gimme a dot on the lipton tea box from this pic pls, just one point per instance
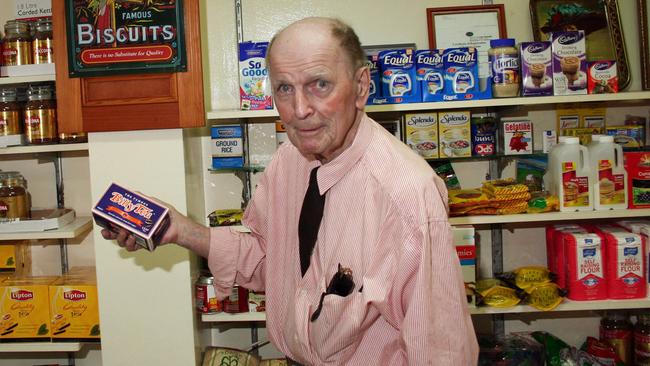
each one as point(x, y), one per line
point(73, 308)
point(121, 208)
point(7, 256)
point(25, 308)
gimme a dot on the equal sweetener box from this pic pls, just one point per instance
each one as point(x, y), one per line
point(120, 208)
point(569, 63)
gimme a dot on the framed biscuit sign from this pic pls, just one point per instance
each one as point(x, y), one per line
point(110, 37)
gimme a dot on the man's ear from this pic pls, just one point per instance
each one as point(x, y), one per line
point(362, 82)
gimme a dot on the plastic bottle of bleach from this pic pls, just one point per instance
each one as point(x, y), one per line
point(569, 175)
point(609, 180)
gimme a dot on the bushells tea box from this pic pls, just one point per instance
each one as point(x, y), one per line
point(569, 63)
point(121, 208)
point(536, 68)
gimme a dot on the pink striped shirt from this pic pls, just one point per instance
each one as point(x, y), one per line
point(385, 218)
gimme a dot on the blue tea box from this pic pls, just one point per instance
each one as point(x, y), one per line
point(120, 208)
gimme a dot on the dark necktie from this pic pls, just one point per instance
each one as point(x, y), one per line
point(310, 218)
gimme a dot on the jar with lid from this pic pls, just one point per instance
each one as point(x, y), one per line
point(17, 47)
point(642, 340)
point(10, 121)
point(14, 202)
point(616, 330)
point(504, 67)
point(72, 137)
point(40, 116)
point(42, 51)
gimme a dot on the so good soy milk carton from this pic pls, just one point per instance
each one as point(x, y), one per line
point(254, 83)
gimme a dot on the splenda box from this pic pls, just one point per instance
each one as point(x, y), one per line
point(143, 218)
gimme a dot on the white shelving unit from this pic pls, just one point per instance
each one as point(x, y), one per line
point(548, 216)
point(41, 347)
point(26, 79)
point(79, 226)
point(228, 318)
point(497, 102)
point(35, 149)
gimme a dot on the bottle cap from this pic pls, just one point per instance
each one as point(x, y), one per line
point(503, 42)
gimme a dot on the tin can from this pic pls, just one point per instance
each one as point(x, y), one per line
point(206, 298)
point(484, 135)
point(237, 302)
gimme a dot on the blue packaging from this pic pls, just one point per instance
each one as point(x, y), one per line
point(227, 147)
point(375, 78)
point(484, 135)
point(430, 71)
point(122, 208)
point(254, 83)
point(398, 76)
point(461, 73)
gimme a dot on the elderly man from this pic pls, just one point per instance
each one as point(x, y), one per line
point(375, 281)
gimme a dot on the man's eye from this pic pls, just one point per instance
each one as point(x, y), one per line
point(322, 84)
point(284, 88)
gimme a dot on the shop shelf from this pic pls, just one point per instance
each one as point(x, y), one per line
point(464, 104)
point(239, 317)
point(26, 79)
point(548, 216)
point(568, 305)
point(251, 169)
point(43, 148)
point(41, 347)
point(79, 226)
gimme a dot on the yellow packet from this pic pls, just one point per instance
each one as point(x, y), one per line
point(546, 296)
point(492, 293)
point(73, 307)
point(226, 217)
point(526, 277)
point(24, 308)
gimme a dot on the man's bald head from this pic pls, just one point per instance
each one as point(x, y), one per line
point(344, 35)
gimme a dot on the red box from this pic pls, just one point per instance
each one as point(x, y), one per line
point(602, 77)
point(637, 165)
point(585, 267)
point(625, 265)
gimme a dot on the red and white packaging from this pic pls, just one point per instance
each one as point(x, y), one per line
point(625, 265)
point(551, 230)
point(561, 253)
point(585, 267)
point(633, 225)
point(645, 234)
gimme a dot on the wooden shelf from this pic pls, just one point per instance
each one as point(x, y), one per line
point(548, 216)
point(568, 305)
point(239, 317)
point(79, 226)
point(41, 347)
point(26, 79)
point(31, 149)
point(496, 102)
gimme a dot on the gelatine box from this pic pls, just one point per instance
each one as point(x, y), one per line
point(120, 208)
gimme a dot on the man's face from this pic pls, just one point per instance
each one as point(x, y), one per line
point(316, 92)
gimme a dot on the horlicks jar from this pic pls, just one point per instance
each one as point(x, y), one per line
point(504, 66)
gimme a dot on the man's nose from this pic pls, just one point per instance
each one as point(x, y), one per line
point(302, 105)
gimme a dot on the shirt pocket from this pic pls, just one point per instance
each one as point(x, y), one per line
point(340, 326)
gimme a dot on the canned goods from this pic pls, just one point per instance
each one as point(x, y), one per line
point(237, 302)
point(206, 298)
point(484, 135)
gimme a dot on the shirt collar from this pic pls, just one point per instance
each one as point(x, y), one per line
point(331, 173)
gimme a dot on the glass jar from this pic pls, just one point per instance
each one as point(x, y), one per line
point(9, 113)
point(42, 50)
point(72, 138)
point(13, 196)
point(17, 48)
point(616, 330)
point(504, 66)
point(40, 116)
point(642, 340)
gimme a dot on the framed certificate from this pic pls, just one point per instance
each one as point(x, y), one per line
point(467, 26)
point(644, 17)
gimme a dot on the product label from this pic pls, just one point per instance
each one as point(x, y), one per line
point(611, 186)
point(590, 265)
point(40, 124)
point(74, 311)
point(455, 134)
point(484, 136)
point(24, 312)
point(254, 83)
point(517, 136)
point(10, 123)
point(576, 188)
point(43, 51)
point(422, 134)
point(536, 69)
point(505, 69)
point(13, 207)
point(569, 63)
point(16, 53)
